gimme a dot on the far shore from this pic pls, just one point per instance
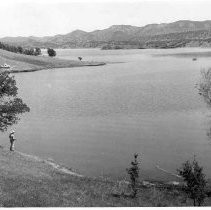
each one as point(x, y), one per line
point(202, 54)
point(27, 63)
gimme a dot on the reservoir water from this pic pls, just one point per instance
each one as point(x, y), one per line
point(93, 119)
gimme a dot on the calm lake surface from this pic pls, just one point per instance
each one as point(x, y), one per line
point(94, 118)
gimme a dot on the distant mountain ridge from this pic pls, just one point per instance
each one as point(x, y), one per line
point(177, 34)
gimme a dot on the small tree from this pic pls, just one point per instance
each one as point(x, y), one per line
point(204, 85)
point(195, 181)
point(28, 51)
point(133, 171)
point(80, 58)
point(37, 51)
point(51, 52)
point(20, 49)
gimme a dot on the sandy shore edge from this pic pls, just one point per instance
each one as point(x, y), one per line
point(51, 163)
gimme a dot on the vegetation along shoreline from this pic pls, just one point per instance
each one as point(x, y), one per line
point(45, 183)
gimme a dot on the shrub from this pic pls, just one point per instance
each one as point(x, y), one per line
point(20, 49)
point(37, 51)
point(28, 51)
point(51, 52)
point(204, 85)
point(195, 181)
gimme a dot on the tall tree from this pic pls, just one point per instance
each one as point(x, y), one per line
point(10, 105)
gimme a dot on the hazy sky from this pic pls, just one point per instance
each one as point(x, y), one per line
point(50, 17)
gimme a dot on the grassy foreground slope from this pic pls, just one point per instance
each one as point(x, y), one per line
point(30, 181)
point(27, 63)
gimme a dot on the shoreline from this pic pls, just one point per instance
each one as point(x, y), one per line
point(30, 181)
point(40, 69)
point(51, 163)
point(26, 63)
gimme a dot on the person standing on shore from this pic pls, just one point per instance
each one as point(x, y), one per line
point(12, 140)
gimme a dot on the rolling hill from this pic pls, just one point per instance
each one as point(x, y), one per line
point(165, 35)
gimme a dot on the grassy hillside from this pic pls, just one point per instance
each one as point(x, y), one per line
point(25, 63)
point(28, 181)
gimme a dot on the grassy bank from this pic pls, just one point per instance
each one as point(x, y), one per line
point(27, 63)
point(30, 181)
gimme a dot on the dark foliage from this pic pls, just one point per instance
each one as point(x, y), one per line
point(51, 52)
point(10, 105)
point(37, 51)
point(195, 180)
point(19, 49)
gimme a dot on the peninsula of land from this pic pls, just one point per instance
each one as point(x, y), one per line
point(27, 63)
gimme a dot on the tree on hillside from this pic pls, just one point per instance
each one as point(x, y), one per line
point(37, 51)
point(10, 105)
point(20, 49)
point(51, 52)
point(28, 51)
point(195, 180)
